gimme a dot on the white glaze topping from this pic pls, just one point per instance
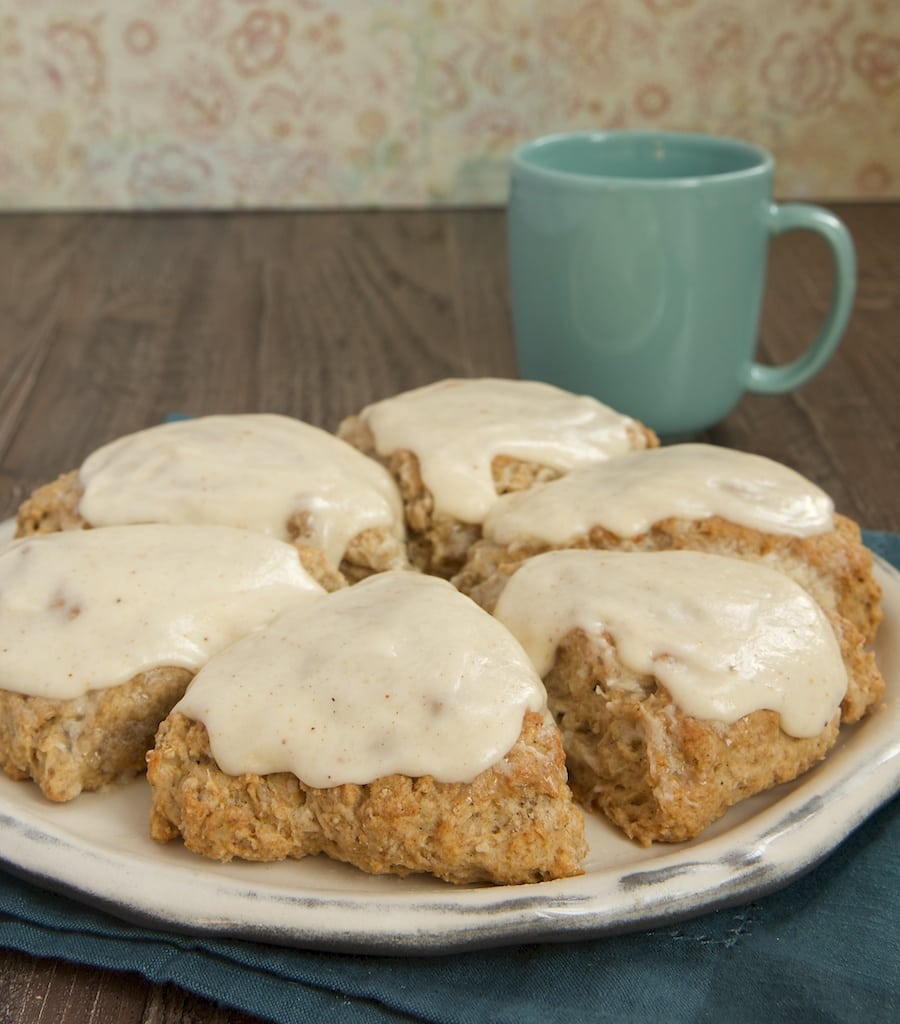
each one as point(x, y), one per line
point(397, 674)
point(629, 494)
point(724, 637)
point(251, 471)
point(88, 609)
point(457, 427)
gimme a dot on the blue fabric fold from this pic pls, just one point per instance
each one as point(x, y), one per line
point(823, 949)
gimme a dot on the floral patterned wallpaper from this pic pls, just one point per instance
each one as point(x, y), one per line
point(295, 103)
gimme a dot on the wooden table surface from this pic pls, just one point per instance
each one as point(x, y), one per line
point(109, 322)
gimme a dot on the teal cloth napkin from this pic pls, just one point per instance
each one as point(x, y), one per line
point(824, 949)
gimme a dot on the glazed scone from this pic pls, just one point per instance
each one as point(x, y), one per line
point(101, 631)
point(271, 474)
point(684, 682)
point(454, 446)
point(80, 744)
point(394, 725)
point(685, 497)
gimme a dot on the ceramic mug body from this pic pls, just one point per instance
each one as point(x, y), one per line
point(637, 268)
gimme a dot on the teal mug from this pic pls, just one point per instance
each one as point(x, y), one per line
point(637, 268)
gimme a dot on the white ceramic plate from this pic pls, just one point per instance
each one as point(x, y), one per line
point(97, 849)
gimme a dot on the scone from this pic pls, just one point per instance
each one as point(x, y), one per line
point(454, 446)
point(694, 497)
point(102, 630)
point(394, 725)
point(684, 682)
point(271, 474)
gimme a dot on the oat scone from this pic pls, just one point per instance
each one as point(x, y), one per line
point(514, 823)
point(101, 631)
point(685, 497)
point(394, 725)
point(684, 682)
point(454, 446)
point(79, 744)
point(271, 474)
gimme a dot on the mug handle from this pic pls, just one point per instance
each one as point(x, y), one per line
point(774, 380)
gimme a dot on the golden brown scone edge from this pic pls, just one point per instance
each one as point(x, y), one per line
point(71, 746)
point(515, 823)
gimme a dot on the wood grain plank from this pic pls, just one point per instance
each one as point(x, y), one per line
point(481, 294)
point(168, 1004)
point(50, 991)
point(370, 307)
point(36, 257)
point(41, 991)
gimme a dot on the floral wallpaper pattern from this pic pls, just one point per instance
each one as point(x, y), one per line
point(297, 103)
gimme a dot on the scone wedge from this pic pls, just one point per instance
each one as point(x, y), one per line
point(456, 445)
point(394, 726)
point(684, 682)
